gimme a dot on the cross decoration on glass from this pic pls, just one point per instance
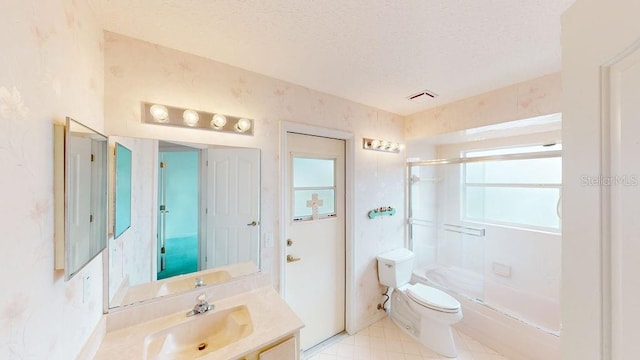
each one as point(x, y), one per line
point(313, 204)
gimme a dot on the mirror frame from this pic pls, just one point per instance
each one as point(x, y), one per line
point(122, 191)
point(98, 198)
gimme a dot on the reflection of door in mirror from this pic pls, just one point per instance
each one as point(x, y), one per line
point(229, 227)
point(79, 204)
point(85, 191)
point(233, 234)
point(178, 212)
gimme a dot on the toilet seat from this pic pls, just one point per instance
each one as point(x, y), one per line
point(432, 298)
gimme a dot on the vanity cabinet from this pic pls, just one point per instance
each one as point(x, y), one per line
point(283, 349)
point(274, 329)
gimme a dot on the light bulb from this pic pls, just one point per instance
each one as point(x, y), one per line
point(375, 144)
point(159, 113)
point(243, 125)
point(393, 146)
point(218, 121)
point(190, 117)
point(384, 144)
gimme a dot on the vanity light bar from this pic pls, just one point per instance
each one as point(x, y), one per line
point(382, 145)
point(168, 115)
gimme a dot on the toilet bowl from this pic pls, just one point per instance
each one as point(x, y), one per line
point(424, 312)
point(434, 329)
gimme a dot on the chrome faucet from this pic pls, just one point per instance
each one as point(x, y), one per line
point(201, 307)
point(199, 282)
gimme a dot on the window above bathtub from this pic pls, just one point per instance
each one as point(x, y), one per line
point(516, 186)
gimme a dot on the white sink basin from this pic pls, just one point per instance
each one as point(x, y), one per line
point(199, 335)
point(181, 284)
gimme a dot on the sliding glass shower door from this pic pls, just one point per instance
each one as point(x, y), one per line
point(449, 251)
point(487, 226)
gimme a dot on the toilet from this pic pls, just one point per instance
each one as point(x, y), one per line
point(424, 312)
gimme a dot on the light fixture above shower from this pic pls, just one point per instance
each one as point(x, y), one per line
point(174, 116)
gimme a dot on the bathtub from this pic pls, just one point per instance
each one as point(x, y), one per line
point(512, 337)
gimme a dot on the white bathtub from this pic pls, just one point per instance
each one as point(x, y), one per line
point(510, 336)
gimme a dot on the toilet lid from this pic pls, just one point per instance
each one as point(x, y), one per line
point(433, 298)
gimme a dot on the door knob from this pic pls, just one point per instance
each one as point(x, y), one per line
point(292, 259)
point(253, 223)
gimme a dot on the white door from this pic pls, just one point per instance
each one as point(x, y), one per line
point(624, 90)
point(601, 130)
point(233, 207)
point(315, 270)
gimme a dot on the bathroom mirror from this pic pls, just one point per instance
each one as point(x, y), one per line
point(85, 189)
point(122, 216)
point(195, 219)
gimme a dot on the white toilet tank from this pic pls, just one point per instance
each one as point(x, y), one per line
point(395, 267)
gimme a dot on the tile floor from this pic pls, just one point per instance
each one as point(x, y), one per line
point(385, 341)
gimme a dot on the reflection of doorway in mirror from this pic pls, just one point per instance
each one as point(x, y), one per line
point(178, 200)
point(208, 208)
point(233, 200)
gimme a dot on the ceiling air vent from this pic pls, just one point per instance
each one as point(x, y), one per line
point(422, 97)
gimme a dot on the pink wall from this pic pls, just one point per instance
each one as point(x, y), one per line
point(137, 71)
point(52, 67)
point(535, 97)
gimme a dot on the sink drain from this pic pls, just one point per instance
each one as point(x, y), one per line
point(202, 346)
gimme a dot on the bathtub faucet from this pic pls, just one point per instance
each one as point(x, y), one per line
point(199, 282)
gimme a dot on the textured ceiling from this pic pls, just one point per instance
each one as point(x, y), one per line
point(373, 52)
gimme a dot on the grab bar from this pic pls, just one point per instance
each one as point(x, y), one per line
point(423, 222)
point(480, 232)
point(467, 230)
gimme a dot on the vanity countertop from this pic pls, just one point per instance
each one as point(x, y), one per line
point(271, 316)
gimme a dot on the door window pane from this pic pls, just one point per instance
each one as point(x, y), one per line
point(304, 209)
point(309, 172)
point(313, 180)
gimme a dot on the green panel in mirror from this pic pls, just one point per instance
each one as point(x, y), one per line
point(123, 190)
point(85, 195)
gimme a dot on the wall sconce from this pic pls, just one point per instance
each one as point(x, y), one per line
point(169, 115)
point(381, 145)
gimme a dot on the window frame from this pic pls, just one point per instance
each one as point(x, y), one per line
point(293, 189)
point(508, 156)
